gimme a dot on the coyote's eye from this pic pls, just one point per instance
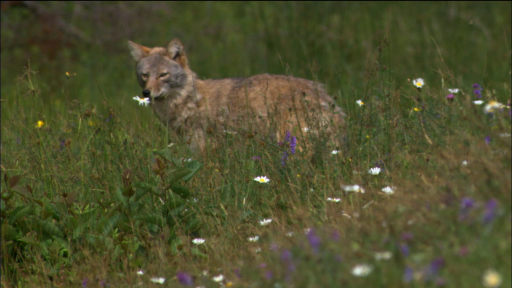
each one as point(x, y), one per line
point(163, 75)
point(145, 76)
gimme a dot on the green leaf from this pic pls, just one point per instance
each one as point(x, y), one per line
point(174, 201)
point(142, 189)
point(194, 167)
point(120, 198)
point(196, 252)
point(8, 233)
point(151, 218)
point(19, 212)
point(181, 190)
point(111, 223)
point(128, 192)
point(29, 240)
point(14, 181)
point(193, 226)
point(51, 228)
point(64, 245)
point(179, 174)
point(167, 155)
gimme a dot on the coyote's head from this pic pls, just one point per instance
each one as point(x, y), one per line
point(160, 71)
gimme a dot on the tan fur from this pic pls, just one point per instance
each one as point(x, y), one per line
point(261, 103)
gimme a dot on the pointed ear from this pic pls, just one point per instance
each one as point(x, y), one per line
point(138, 51)
point(177, 53)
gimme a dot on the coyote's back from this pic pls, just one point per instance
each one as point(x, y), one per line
point(262, 103)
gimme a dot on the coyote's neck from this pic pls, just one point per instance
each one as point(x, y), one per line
point(179, 110)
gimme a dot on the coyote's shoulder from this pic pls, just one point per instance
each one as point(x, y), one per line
point(190, 106)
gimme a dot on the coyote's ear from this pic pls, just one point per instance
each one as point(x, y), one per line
point(138, 51)
point(177, 53)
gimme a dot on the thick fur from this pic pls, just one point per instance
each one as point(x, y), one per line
point(262, 103)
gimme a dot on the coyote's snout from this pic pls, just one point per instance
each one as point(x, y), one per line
point(262, 103)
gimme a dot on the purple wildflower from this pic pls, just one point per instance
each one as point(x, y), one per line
point(289, 141)
point(268, 274)
point(433, 268)
point(436, 265)
point(490, 211)
point(84, 282)
point(450, 97)
point(408, 274)
point(184, 278)
point(237, 273)
point(487, 139)
point(466, 204)
point(314, 240)
point(287, 137)
point(335, 236)
point(477, 90)
point(407, 236)
point(284, 158)
point(62, 143)
point(404, 249)
point(286, 256)
point(256, 158)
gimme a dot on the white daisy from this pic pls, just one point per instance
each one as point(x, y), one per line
point(333, 199)
point(360, 102)
point(464, 163)
point(289, 234)
point(386, 255)
point(388, 190)
point(140, 272)
point(218, 278)
point(142, 101)
point(491, 278)
point(262, 179)
point(361, 270)
point(159, 280)
point(198, 241)
point(478, 102)
point(265, 222)
point(454, 90)
point(374, 171)
point(489, 108)
point(335, 152)
point(253, 239)
point(352, 188)
point(305, 129)
point(418, 83)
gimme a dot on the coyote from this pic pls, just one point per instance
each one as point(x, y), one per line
point(265, 104)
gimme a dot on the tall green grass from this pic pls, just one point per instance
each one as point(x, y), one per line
point(97, 192)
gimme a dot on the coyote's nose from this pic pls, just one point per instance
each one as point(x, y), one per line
point(146, 93)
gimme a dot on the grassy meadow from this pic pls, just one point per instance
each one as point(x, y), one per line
point(96, 192)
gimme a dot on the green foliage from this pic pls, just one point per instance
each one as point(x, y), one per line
point(89, 194)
